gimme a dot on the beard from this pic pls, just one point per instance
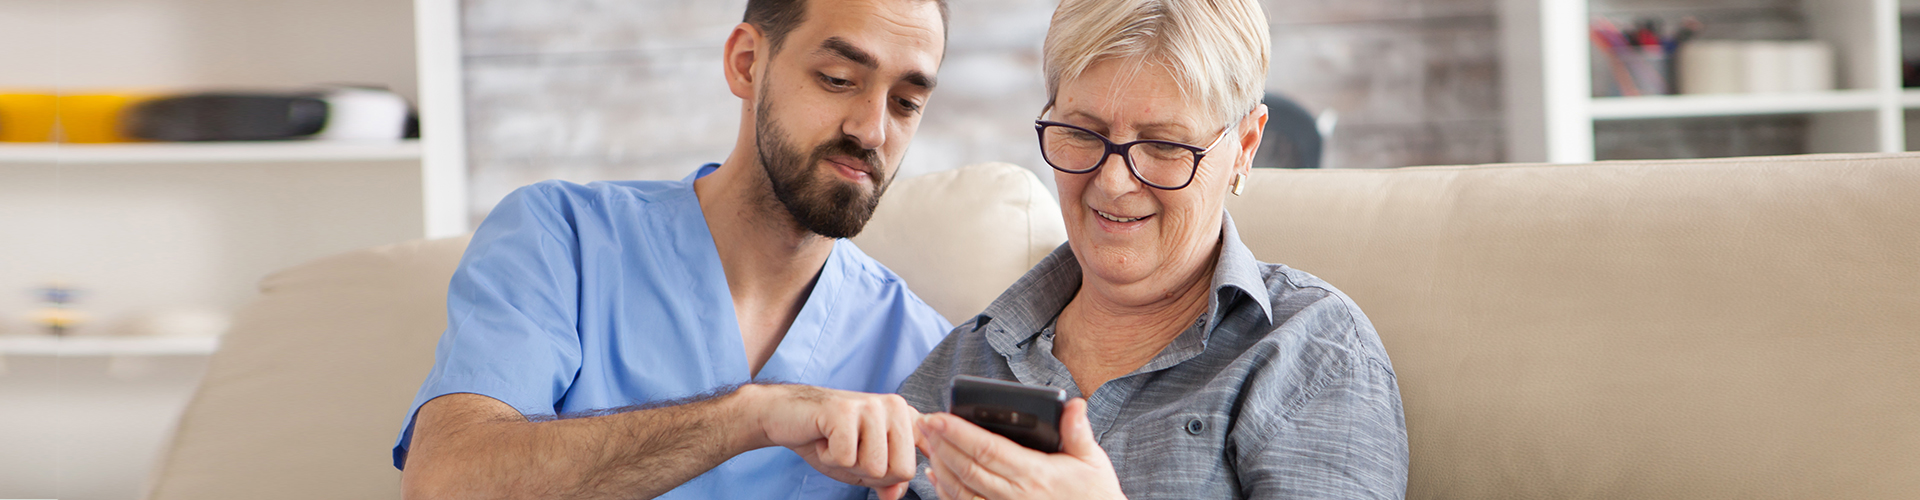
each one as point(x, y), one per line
point(816, 200)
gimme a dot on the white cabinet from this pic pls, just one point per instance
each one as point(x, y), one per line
point(140, 228)
point(147, 229)
point(1551, 107)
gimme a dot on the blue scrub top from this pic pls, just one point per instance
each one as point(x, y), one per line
point(576, 298)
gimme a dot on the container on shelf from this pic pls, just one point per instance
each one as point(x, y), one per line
point(27, 116)
point(1835, 63)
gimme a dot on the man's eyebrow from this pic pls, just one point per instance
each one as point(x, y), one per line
point(841, 48)
point(838, 47)
point(922, 80)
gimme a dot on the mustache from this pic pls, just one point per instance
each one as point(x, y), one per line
point(847, 147)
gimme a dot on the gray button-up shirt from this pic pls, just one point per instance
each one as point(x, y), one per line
point(1282, 390)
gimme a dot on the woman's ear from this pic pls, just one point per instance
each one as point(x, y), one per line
point(744, 57)
point(1252, 127)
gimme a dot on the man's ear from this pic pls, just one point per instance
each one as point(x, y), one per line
point(745, 54)
point(1252, 127)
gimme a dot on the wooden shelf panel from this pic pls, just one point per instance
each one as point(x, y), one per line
point(1630, 108)
point(42, 345)
point(209, 152)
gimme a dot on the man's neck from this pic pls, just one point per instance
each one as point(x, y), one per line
point(770, 263)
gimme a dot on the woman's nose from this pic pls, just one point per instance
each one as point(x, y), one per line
point(1113, 176)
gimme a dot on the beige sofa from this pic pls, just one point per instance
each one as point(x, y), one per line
point(1742, 328)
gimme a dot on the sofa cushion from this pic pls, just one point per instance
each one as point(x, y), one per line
point(306, 393)
point(309, 388)
point(1737, 328)
point(960, 237)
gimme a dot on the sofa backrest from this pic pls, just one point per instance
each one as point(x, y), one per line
point(308, 390)
point(960, 237)
point(1739, 328)
point(1743, 328)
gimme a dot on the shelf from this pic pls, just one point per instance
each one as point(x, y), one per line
point(1548, 76)
point(1680, 106)
point(40, 345)
point(209, 152)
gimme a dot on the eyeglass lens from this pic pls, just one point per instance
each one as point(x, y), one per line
point(1158, 163)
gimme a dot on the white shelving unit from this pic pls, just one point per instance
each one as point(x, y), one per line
point(150, 229)
point(68, 347)
point(140, 226)
point(1683, 106)
point(1551, 109)
point(161, 153)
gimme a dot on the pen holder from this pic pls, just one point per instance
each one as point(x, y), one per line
point(1634, 71)
point(1650, 71)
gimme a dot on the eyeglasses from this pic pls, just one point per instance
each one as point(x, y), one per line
point(1162, 164)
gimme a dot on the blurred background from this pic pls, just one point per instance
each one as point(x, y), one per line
point(599, 89)
point(130, 232)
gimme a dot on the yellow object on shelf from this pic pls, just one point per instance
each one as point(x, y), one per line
point(26, 117)
point(57, 321)
point(95, 118)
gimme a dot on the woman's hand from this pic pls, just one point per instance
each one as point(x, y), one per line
point(969, 462)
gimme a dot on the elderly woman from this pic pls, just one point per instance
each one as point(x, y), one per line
point(1205, 373)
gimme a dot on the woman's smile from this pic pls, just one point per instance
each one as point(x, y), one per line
point(1114, 222)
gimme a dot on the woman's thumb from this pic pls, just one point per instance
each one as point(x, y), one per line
point(1076, 433)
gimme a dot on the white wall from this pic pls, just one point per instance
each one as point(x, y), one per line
point(78, 45)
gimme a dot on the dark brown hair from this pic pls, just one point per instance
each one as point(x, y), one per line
point(776, 18)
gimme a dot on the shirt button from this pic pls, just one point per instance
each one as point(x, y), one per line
point(1195, 426)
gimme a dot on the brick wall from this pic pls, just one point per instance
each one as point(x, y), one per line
point(587, 90)
point(631, 89)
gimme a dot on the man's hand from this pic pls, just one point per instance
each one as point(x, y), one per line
point(854, 437)
point(472, 446)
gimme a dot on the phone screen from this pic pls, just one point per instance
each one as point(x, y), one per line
point(1026, 414)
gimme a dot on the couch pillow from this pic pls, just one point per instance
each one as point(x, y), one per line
point(960, 237)
point(307, 392)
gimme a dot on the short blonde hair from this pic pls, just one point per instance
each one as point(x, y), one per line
point(1217, 50)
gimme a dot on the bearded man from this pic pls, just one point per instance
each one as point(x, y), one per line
point(714, 337)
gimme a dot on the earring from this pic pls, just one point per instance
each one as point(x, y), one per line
point(1239, 183)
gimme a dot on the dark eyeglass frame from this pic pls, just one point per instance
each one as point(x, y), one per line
point(1199, 153)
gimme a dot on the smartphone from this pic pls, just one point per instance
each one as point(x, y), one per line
point(1026, 414)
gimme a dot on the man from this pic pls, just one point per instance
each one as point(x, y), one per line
point(643, 339)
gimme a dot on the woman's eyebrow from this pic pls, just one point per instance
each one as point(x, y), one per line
point(1163, 127)
point(1167, 128)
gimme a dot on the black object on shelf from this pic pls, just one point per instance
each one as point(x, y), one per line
point(228, 117)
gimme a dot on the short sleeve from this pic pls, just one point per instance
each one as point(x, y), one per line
point(511, 310)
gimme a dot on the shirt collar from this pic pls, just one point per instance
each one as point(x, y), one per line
point(1026, 308)
point(700, 172)
point(1236, 271)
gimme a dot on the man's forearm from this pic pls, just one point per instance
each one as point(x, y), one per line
point(477, 447)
